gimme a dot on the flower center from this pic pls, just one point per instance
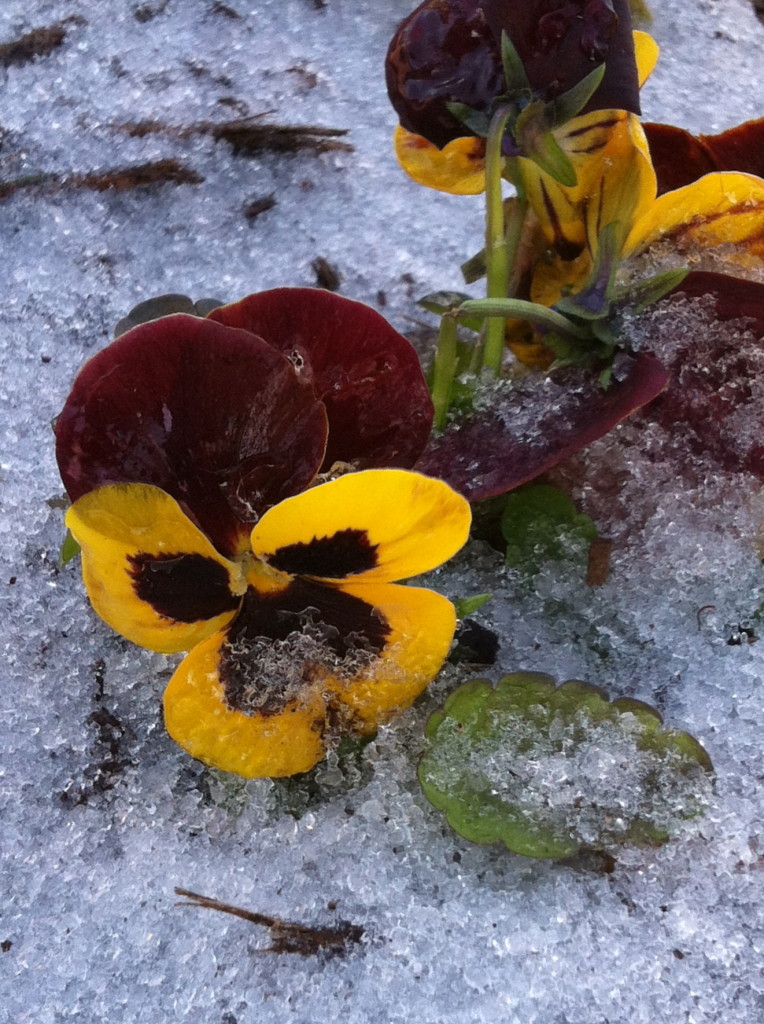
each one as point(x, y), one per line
point(262, 577)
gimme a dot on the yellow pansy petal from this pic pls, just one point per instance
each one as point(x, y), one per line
point(615, 180)
point(724, 207)
point(646, 53)
point(254, 746)
point(458, 168)
point(421, 627)
point(378, 525)
point(149, 572)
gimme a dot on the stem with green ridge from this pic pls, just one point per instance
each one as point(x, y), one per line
point(496, 249)
point(500, 309)
point(443, 370)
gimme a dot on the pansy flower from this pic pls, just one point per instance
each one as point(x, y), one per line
point(722, 208)
point(303, 636)
point(232, 413)
point(448, 53)
point(191, 448)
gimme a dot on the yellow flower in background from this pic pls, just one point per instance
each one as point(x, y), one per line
point(720, 208)
point(303, 638)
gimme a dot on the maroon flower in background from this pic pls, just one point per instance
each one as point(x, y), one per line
point(449, 51)
point(232, 413)
point(680, 158)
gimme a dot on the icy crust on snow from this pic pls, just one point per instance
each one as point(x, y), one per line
point(102, 815)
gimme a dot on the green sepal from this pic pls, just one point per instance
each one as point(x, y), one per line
point(477, 121)
point(564, 108)
point(638, 297)
point(533, 135)
point(512, 764)
point(69, 549)
point(514, 69)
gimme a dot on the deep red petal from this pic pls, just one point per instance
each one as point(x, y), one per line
point(714, 394)
point(367, 375)
point(449, 51)
point(680, 158)
point(212, 415)
point(545, 419)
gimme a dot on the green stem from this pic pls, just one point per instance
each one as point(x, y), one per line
point(443, 370)
point(496, 250)
point(519, 309)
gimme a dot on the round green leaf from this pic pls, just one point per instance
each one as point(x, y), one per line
point(551, 770)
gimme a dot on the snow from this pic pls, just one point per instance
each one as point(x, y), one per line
point(102, 815)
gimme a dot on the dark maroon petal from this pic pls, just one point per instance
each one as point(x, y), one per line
point(212, 415)
point(733, 297)
point(680, 158)
point(715, 396)
point(448, 51)
point(542, 420)
point(181, 587)
point(257, 668)
point(367, 375)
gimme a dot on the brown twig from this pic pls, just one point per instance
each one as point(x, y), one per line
point(246, 136)
point(286, 936)
point(39, 42)
point(159, 172)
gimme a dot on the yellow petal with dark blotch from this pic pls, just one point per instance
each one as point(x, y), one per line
point(149, 572)
point(646, 53)
point(378, 525)
point(458, 168)
point(253, 746)
point(615, 181)
point(724, 207)
point(421, 627)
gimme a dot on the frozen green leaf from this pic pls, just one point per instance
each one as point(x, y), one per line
point(539, 524)
point(469, 605)
point(552, 770)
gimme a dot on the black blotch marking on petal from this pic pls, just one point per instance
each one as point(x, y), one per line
point(185, 588)
point(280, 643)
point(344, 553)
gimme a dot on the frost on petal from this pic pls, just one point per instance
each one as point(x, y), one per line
point(367, 375)
point(522, 428)
point(710, 334)
point(212, 415)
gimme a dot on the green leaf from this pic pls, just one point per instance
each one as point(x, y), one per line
point(474, 268)
point(164, 305)
point(552, 770)
point(469, 605)
point(69, 549)
point(540, 523)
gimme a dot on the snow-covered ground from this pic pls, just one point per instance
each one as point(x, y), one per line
point(102, 815)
